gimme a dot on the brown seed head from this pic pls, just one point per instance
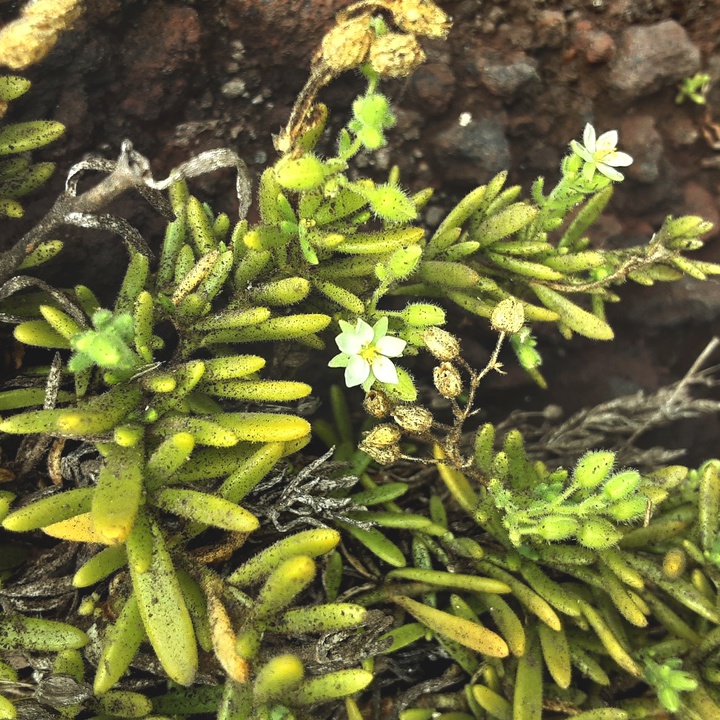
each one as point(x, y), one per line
point(447, 380)
point(395, 54)
point(346, 45)
point(420, 17)
point(508, 316)
point(413, 418)
point(440, 343)
point(377, 404)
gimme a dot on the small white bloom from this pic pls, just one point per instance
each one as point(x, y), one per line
point(365, 353)
point(601, 154)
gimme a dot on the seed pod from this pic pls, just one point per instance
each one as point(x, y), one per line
point(395, 54)
point(413, 418)
point(300, 174)
point(346, 45)
point(376, 403)
point(383, 435)
point(557, 527)
point(447, 380)
point(441, 344)
point(508, 316)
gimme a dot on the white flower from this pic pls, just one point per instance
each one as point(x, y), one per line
point(365, 353)
point(601, 154)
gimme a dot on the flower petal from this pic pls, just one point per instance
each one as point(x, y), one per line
point(610, 172)
point(390, 346)
point(607, 142)
point(618, 159)
point(349, 343)
point(380, 329)
point(588, 170)
point(357, 371)
point(583, 152)
point(340, 360)
point(384, 370)
point(363, 331)
point(589, 137)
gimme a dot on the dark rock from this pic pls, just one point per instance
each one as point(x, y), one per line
point(473, 152)
point(433, 85)
point(504, 75)
point(653, 56)
point(159, 58)
point(682, 130)
point(641, 139)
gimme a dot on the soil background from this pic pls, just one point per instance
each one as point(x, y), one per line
point(515, 81)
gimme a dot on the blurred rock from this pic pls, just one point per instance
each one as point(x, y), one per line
point(473, 152)
point(640, 138)
point(433, 86)
point(596, 46)
point(653, 56)
point(159, 57)
point(504, 75)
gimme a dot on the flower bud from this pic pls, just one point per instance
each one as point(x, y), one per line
point(346, 45)
point(395, 54)
point(598, 534)
point(447, 380)
point(508, 316)
point(628, 509)
point(413, 418)
point(423, 314)
point(593, 467)
point(303, 173)
point(621, 485)
point(557, 527)
point(377, 404)
point(441, 344)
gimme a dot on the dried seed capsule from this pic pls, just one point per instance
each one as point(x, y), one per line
point(413, 418)
point(508, 316)
point(383, 435)
point(381, 455)
point(441, 344)
point(447, 380)
point(346, 45)
point(395, 54)
point(377, 404)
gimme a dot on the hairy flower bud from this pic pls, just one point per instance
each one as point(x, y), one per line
point(447, 380)
point(441, 344)
point(377, 404)
point(413, 418)
point(395, 54)
point(598, 534)
point(423, 314)
point(557, 527)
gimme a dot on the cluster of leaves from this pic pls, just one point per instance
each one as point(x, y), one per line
point(522, 576)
